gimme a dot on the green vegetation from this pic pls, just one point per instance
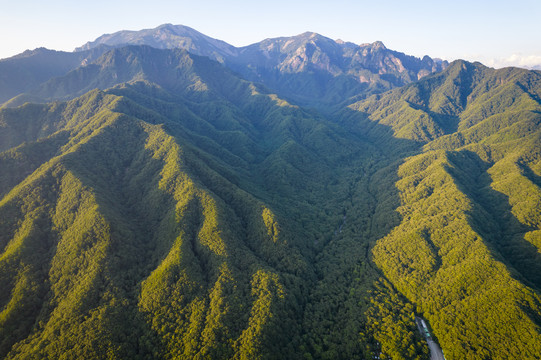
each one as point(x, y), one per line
point(466, 251)
point(186, 213)
point(25, 72)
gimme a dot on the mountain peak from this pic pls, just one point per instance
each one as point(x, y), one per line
point(166, 36)
point(309, 35)
point(378, 45)
point(310, 59)
point(169, 26)
point(313, 36)
point(308, 53)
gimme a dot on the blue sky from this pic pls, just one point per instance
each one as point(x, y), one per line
point(495, 32)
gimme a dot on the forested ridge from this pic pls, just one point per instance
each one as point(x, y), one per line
point(180, 211)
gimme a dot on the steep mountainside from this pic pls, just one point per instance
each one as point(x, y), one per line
point(167, 36)
point(467, 251)
point(311, 68)
point(308, 68)
point(210, 192)
point(166, 207)
point(171, 68)
point(24, 72)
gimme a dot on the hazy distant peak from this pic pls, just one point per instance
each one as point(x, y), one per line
point(310, 60)
point(297, 39)
point(343, 43)
point(308, 34)
point(312, 36)
point(30, 53)
point(378, 45)
point(166, 36)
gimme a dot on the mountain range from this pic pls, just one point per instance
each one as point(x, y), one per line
point(299, 67)
point(166, 195)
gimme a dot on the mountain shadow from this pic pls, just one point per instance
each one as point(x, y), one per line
point(493, 218)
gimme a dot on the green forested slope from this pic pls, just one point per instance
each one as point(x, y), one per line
point(467, 251)
point(129, 230)
point(186, 213)
point(196, 218)
point(26, 71)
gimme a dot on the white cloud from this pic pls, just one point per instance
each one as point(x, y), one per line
point(518, 60)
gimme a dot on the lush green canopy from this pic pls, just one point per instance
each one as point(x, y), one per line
point(186, 213)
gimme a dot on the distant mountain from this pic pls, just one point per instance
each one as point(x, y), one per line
point(26, 71)
point(311, 51)
point(312, 68)
point(167, 36)
point(454, 101)
point(308, 68)
point(129, 64)
point(121, 65)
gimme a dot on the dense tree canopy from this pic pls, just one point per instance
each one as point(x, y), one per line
point(187, 213)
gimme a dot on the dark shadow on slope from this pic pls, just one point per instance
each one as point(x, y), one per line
point(359, 166)
point(493, 219)
point(18, 163)
point(26, 71)
point(311, 182)
point(311, 88)
point(380, 136)
point(529, 174)
point(122, 172)
point(131, 253)
point(363, 194)
point(146, 225)
point(29, 287)
point(448, 123)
